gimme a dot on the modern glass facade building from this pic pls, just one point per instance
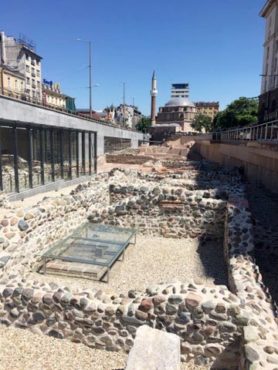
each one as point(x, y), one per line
point(34, 155)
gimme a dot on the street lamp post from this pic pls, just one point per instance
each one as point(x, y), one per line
point(90, 75)
point(90, 78)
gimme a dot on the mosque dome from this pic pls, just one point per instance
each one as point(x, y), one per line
point(179, 102)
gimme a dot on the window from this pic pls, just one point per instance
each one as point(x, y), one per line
point(9, 82)
point(15, 85)
point(38, 83)
point(273, 106)
point(274, 65)
point(27, 68)
point(28, 81)
point(38, 73)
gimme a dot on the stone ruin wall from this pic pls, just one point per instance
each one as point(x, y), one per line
point(167, 212)
point(215, 325)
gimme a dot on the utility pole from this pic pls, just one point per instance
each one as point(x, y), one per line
point(124, 101)
point(90, 78)
point(90, 74)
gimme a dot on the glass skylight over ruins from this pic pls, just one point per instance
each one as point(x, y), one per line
point(90, 245)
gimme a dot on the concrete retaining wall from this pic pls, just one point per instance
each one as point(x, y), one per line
point(27, 113)
point(259, 160)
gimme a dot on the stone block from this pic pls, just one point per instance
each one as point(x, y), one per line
point(154, 349)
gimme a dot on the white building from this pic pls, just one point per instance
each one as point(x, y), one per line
point(270, 13)
point(180, 90)
point(127, 115)
point(268, 101)
point(20, 55)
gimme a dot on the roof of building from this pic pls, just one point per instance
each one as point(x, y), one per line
point(53, 92)
point(266, 7)
point(12, 71)
point(204, 104)
point(179, 102)
point(30, 51)
point(180, 85)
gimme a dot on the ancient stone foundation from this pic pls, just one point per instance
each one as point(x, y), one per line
point(228, 327)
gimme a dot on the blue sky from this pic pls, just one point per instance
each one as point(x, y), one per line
point(215, 45)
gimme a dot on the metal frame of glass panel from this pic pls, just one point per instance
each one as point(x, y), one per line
point(44, 129)
point(100, 242)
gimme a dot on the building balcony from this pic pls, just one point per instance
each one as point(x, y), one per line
point(33, 74)
point(33, 63)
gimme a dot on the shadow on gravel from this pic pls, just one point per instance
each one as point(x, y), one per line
point(211, 253)
point(264, 208)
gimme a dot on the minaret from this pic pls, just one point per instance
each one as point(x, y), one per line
point(153, 95)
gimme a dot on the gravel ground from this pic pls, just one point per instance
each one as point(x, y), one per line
point(154, 260)
point(22, 350)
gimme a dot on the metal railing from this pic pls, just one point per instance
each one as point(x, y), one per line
point(267, 131)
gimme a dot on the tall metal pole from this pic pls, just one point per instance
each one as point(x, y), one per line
point(90, 78)
point(124, 100)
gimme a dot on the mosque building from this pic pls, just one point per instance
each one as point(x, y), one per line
point(179, 111)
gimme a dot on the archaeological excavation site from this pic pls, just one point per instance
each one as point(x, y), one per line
point(161, 241)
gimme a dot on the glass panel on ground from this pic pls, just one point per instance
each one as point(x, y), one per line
point(90, 244)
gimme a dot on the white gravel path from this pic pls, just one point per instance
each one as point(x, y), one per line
point(154, 260)
point(22, 350)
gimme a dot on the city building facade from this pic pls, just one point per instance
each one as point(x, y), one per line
point(12, 82)
point(180, 90)
point(20, 56)
point(268, 100)
point(127, 115)
point(207, 108)
point(179, 110)
point(52, 95)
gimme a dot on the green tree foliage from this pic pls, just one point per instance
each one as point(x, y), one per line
point(240, 112)
point(144, 124)
point(109, 108)
point(202, 123)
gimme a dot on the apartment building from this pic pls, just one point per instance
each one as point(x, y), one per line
point(20, 56)
point(12, 83)
point(207, 108)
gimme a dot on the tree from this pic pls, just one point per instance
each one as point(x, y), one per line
point(144, 124)
point(202, 122)
point(240, 112)
point(109, 108)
